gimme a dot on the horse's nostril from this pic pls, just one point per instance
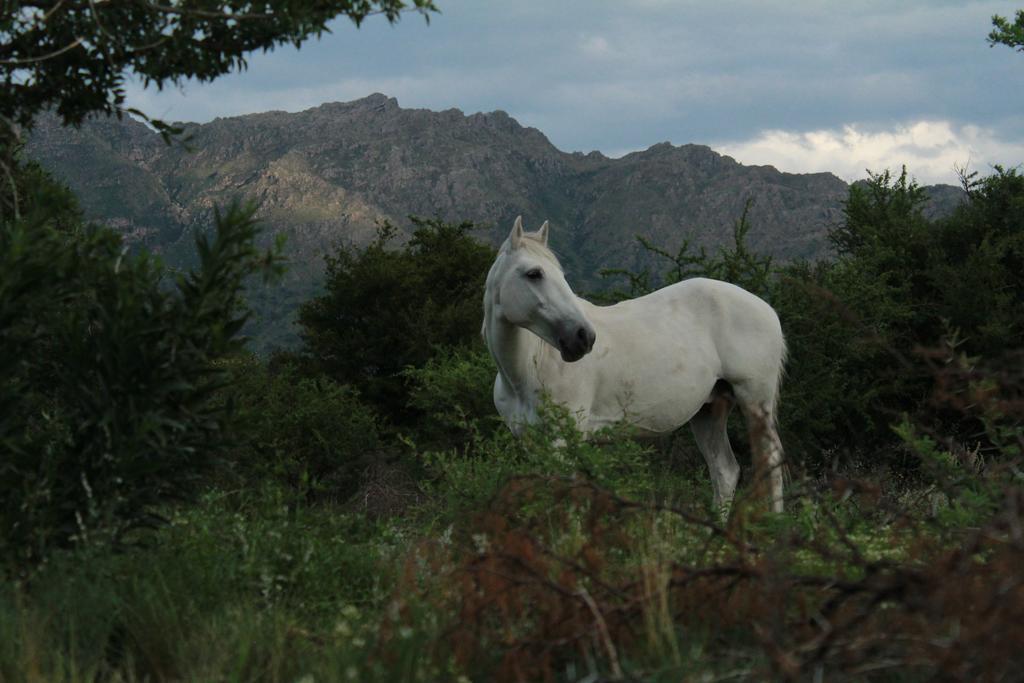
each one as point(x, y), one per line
point(587, 337)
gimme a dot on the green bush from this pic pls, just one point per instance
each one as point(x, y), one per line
point(311, 435)
point(902, 284)
point(107, 376)
point(454, 391)
point(387, 308)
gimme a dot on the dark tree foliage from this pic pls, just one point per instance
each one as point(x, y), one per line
point(977, 265)
point(912, 281)
point(454, 392)
point(901, 284)
point(107, 375)
point(387, 308)
point(875, 298)
point(1006, 33)
point(880, 210)
point(74, 55)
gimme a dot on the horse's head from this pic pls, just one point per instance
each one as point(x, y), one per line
point(526, 287)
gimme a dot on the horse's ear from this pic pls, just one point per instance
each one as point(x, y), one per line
point(542, 234)
point(515, 239)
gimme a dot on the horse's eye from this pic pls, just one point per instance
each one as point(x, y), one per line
point(535, 274)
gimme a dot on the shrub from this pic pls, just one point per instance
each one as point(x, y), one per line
point(565, 573)
point(467, 477)
point(107, 376)
point(904, 283)
point(311, 435)
point(387, 308)
point(454, 391)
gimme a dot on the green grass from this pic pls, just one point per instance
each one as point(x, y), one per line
point(235, 588)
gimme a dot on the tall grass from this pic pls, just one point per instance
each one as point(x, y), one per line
point(236, 588)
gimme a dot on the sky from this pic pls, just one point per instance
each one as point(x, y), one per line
point(805, 85)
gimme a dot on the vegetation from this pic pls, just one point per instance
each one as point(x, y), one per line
point(387, 309)
point(529, 561)
point(339, 515)
point(109, 396)
point(857, 325)
point(1010, 34)
point(309, 435)
point(74, 55)
point(902, 284)
point(108, 375)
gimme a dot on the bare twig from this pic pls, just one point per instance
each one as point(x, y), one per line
point(42, 58)
point(602, 627)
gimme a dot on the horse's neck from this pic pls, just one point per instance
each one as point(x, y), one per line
point(517, 352)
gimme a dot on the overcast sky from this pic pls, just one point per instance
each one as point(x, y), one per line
point(804, 86)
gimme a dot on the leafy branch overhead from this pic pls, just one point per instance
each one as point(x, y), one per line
point(75, 55)
point(1006, 33)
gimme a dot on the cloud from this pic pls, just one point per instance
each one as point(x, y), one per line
point(931, 150)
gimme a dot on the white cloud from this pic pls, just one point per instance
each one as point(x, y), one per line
point(931, 150)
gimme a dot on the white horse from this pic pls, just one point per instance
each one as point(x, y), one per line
point(680, 354)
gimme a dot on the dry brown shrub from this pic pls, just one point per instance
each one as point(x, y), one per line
point(522, 604)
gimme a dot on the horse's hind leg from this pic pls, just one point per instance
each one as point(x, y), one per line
point(709, 430)
point(757, 400)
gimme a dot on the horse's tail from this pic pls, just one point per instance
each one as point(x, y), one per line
point(780, 374)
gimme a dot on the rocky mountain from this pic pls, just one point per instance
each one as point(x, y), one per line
point(328, 175)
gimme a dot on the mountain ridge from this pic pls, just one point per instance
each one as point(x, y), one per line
point(331, 173)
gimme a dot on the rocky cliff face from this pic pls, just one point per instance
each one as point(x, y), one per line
point(329, 174)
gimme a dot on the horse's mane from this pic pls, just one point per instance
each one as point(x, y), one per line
point(536, 247)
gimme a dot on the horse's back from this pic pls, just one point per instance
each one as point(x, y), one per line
point(737, 330)
point(707, 303)
point(743, 327)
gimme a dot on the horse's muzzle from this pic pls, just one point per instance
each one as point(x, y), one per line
point(577, 343)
